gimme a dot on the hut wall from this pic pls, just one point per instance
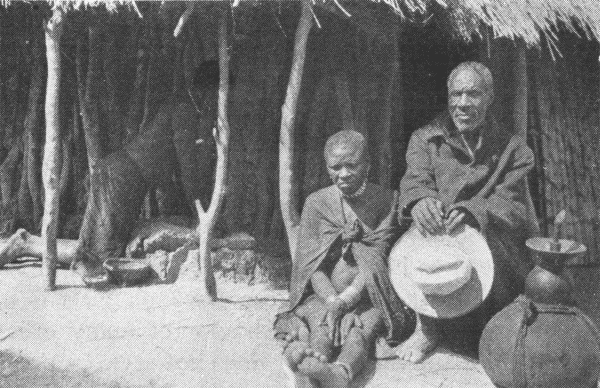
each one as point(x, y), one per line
point(347, 80)
point(566, 136)
point(563, 131)
point(261, 55)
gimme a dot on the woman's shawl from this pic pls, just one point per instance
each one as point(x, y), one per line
point(323, 225)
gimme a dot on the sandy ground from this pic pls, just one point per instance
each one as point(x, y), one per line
point(165, 336)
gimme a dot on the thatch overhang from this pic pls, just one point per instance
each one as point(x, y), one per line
point(535, 22)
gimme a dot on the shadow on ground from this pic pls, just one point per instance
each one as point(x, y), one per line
point(17, 371)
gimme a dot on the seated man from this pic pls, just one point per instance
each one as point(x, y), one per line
point(340, 286)
point(464, 169)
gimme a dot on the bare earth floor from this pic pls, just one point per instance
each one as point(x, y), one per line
point(164, 336)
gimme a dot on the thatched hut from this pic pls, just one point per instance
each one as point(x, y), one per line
point(379, 68)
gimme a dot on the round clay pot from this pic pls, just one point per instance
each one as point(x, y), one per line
point(529, 344)
point(542, 340)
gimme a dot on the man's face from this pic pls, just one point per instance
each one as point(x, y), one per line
point(347, 167)
point(468, 100)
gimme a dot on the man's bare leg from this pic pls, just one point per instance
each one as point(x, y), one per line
point(24, 244)
point(422, 343)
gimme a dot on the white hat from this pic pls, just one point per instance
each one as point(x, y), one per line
point(442, 276)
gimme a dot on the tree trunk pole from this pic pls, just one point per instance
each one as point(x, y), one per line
point(52, 150)
point(207, 219)
point(287, 195)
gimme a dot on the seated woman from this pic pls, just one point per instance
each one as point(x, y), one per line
point(341, 299)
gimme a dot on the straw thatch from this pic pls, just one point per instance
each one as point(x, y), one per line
point(529, 20)
point(536, 22)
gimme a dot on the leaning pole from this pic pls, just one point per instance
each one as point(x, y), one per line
point(52, 150)
point(207, 219)
point(287, 194)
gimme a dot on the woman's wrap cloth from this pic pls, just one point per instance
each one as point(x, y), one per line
point(323, 226)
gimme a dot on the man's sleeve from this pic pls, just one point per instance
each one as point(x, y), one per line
point(506, 203)
point(418, 180)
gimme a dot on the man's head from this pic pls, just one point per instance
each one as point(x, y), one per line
point(470, 94)
point(347, 160)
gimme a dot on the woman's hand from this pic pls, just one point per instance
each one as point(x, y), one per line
point(336, 308)
point(349, 321)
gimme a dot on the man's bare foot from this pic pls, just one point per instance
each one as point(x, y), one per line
point(328, 375)
point(14, 247)
point(422, 343)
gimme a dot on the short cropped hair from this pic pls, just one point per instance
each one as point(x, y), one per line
point(347, 137)
point(478, 68)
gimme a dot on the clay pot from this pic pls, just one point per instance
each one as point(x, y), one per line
point(541, 339)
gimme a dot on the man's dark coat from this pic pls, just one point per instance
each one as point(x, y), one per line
point(492, 187)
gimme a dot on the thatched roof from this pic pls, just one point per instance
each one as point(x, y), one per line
point(536, 22)
point(529, 20)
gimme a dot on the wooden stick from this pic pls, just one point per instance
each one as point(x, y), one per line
point(558, 221)
point(136, 9)
point(208, 218)
point(287, 195)
point(184, 18)
point(52, 150)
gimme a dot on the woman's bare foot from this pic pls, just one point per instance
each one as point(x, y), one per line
point(328, 375)
point(301, 334)
point(422, 343)
point(294, 353)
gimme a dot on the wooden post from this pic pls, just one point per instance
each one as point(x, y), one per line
point(208, 218)
point(287, 195)
point(52, 150)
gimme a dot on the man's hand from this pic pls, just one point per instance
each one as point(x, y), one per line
point(455, 218)
point(458, 217)
point(427, 214)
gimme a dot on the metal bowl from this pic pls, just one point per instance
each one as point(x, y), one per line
point(127, 272)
